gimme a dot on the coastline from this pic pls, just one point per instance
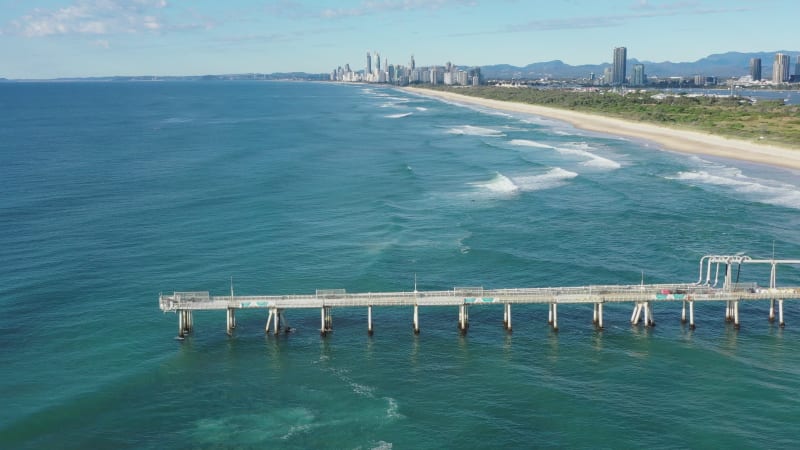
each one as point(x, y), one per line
point(682, 141)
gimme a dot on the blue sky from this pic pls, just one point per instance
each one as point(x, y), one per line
point(66, 38)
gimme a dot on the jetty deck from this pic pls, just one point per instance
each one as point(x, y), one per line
point(723, 288)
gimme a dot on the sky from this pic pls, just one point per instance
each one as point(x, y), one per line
point(81, 38)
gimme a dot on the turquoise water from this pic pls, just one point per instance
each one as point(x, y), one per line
point(112, 193)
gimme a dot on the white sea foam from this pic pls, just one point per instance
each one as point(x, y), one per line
point(398, 116)
point(579, 149)
point(553, 178)
point(500, 184)
point(593, 160)
point(529, 143)
point(471, 130)
point(504, 185)
point(172, 120)
point(462, 247)
point(392, 410)
point(730, 179)
point(421, 108)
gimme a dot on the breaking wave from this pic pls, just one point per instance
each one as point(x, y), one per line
point(502, 184)
point(730, 179)
point(580, 149)
point(529, 143)
point(398, 116)
point(470, 130)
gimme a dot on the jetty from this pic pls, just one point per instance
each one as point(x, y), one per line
point(717, 282)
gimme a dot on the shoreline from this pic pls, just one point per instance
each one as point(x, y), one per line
point(682, 141)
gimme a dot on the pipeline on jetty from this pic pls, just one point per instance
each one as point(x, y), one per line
point(716, 283)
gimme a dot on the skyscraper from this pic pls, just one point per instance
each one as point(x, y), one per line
point(378, 61)
point(755, 69)
point(780, 68)
point(638, 78)
point(797, 67)
point(620, 61)
point(369, 64)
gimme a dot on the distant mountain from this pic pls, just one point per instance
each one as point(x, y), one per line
point(725, 65)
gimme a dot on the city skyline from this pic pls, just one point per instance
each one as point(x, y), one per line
point(76, 38)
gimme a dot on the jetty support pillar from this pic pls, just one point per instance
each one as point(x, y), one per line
point(369, 320)
point(416, 319)
point(772, 310)
point(326, 320)
point(463, 318)
point(599, 308)
point(554, 315)
point(507, 316)
point(637, 313)
point(230, 315)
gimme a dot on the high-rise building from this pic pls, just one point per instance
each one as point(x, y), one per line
point(638, 78)
point(755, 69)
point(620, 61)
point(780, 68)
point(797, 66)
point(377, 61)
point(413, 64)
point(369, 64)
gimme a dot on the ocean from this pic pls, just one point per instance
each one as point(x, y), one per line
point(115, 192)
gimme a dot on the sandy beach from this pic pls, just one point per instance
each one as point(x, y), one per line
point(668, 138)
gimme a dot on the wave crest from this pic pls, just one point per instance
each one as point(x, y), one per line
point(470, 130)
point(529, 143)
point(502, 184)
point(398, 116)
point(753, 189)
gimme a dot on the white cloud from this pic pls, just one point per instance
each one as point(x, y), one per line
point(370, 7)
point(91, 17)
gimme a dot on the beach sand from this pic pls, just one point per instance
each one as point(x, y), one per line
point(683, 141)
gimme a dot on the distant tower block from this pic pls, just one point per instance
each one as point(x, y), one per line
point(620, 62)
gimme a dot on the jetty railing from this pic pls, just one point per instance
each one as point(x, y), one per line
point(642, 296)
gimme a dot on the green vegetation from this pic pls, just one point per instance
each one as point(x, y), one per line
point(769, 122)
